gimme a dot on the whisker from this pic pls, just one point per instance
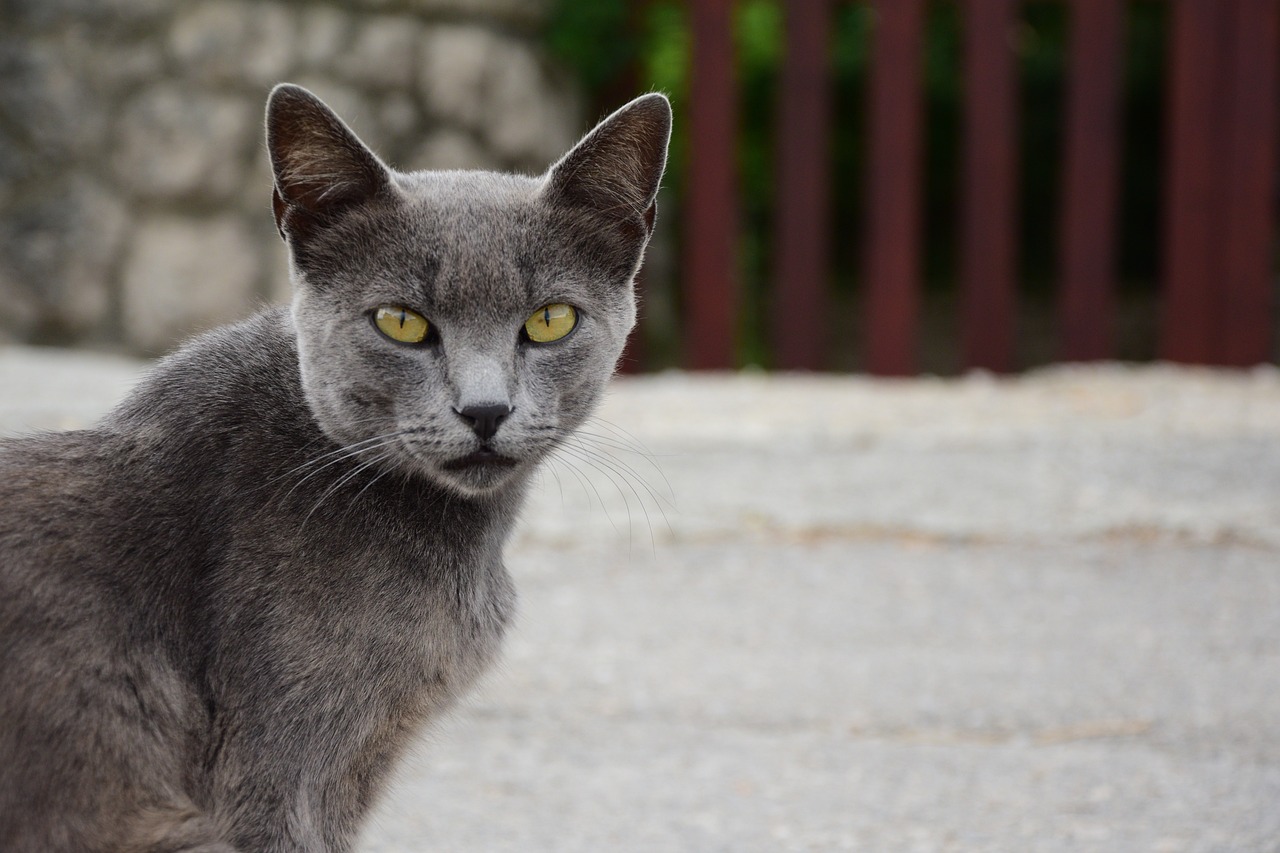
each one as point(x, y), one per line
point(628, 471)
point(331, 463)
point(626, 442)
point(586, 457)
point(384, 472)
point(633, 477)
point(344, 479)
point(619, 431)
point(334, 452)
point(630, 477)
point(559, 485)
point(585, 482)
point(335, 457)
point(616, 444)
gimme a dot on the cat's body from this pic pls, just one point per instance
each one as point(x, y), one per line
point(225, 610)
point(338, 624)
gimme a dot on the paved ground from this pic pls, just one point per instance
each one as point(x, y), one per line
point(820, 614)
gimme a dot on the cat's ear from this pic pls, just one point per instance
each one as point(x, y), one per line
point(616, 169)
point(320, 166)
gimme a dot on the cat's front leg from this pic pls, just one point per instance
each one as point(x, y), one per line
point(280, 810)
point(269, 815)
point(267, 787)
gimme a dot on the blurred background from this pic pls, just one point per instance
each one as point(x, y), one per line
point(895, 187)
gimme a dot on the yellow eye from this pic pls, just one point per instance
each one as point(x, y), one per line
point(401, 324)
point(551, 323)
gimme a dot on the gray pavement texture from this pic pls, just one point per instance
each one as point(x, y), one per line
point(833, 613)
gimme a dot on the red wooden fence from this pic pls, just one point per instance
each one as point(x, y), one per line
point(712, 204)
point(1219, 234)
point(803, 179)
point(896, 144)
point(1090, 181)
point(1221, 182)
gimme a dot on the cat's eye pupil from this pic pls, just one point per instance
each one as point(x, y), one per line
point(546, 317)
point(403, 317)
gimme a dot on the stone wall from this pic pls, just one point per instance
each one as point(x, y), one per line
point(134, 183)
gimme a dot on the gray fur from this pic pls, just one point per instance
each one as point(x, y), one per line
point(218, 627)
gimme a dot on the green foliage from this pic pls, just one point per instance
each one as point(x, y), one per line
point(592, 38)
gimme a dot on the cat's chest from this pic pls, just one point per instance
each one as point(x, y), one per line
point(344, 650)
point(412, 611)
point(450, 621)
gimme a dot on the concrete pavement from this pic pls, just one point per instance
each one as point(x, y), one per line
point(825, 613)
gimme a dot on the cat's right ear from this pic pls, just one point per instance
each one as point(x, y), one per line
point(320, 166)
point(616, 169)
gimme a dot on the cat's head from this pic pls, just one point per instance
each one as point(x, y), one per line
point(460, 323)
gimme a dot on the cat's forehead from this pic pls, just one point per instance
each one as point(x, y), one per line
point(466, 200)
point(462, 237)
point(477, 244)
point(471, 220)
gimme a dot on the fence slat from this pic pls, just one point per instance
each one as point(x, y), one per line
point(1086, 298)
point(1195, 206)
point(1251, 167)
point(894, 188)
point(989, 186)
point(802, 215)
point(711, 253)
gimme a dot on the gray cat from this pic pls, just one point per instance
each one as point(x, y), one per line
point(225, 610)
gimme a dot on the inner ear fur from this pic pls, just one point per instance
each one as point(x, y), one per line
point(616, 169)
point(320, 165)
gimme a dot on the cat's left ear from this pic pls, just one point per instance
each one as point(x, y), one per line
point(321, 167)
point(616, 169)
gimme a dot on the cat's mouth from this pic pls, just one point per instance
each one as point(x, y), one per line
point(480, 470)
point(484, 458)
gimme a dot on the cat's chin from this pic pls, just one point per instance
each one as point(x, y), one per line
point(478, 473)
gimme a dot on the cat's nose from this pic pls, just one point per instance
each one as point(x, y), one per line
point(485, 419)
